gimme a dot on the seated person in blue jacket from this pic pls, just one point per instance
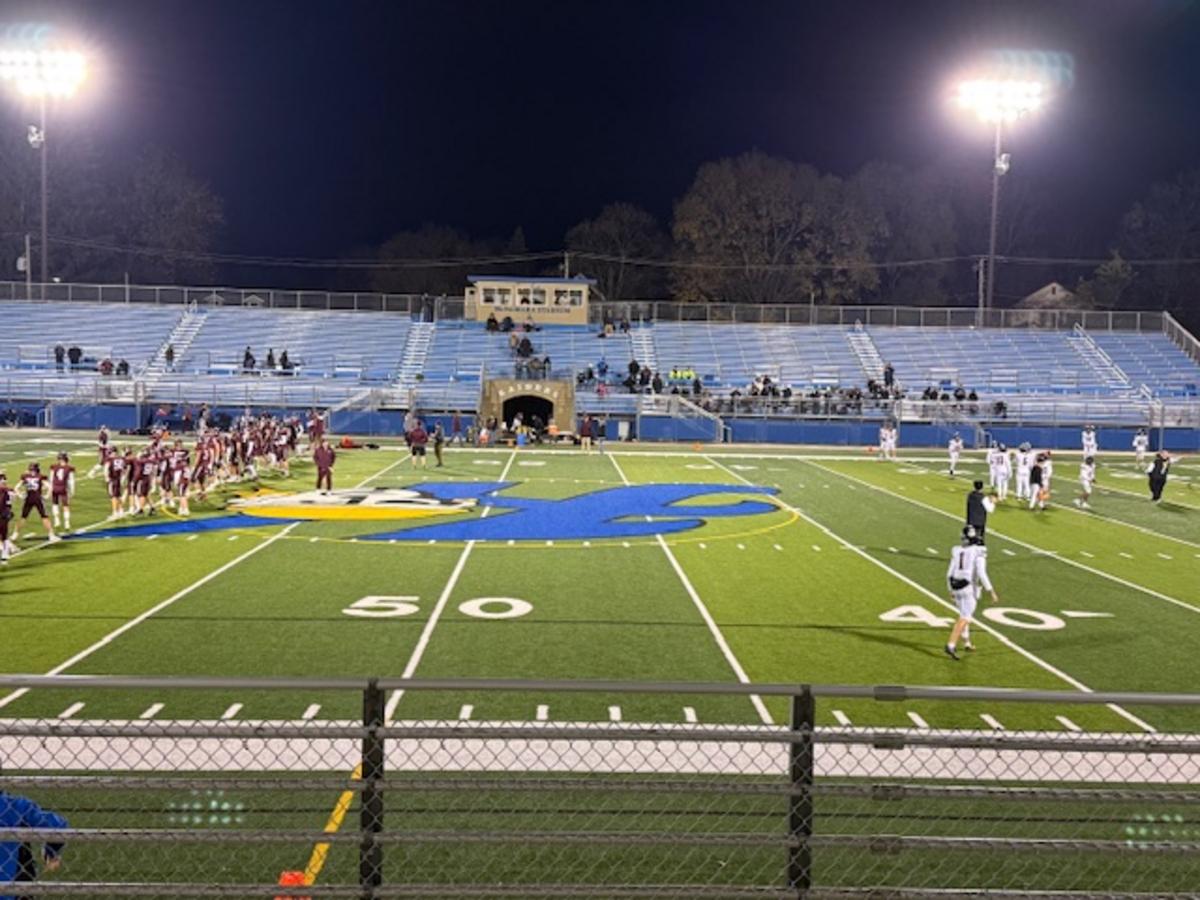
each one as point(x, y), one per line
point(16, 858)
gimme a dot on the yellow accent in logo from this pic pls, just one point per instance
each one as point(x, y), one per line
point(354, 505)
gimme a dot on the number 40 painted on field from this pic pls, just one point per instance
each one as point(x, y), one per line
point(1013, 616)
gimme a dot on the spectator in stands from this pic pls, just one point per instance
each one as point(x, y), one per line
point(656, 383)
point(169, 357)
point(123, 369)
point(74, 356)
point(530, 325)
point(492, 323)
point(602, 368)
point(507, 324)
point(624, 324)
point(514, 340)
point(889, 375)
point(106, 367)
point(284, 363)
point(248, 360)
point(271, 358)
point(60, 354)
point(525, 348)
point(633, 368)
point(546, 365)
point(644, 377)
point(697, 387)
point(960, 394)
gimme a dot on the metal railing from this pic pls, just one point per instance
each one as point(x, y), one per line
point(405, 793)
point(446, 307)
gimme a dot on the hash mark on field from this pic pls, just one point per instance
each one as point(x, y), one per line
point(234, 537)
point(465, 713)
point(313, 540)
point(151, 711)
point(587, 543)
point(741, 546)
point(840, 717)
point(511, 542)
point(1165, 556)
point(931, 550)
point(614, 714)
point(917, 720)
point(311, 712)
point(71, 710)
point(232, 712)
point(549, 543)
point(543, 713)
point(777, 547)
point(151, 537)
point(703, 546)
point(1126, 555)
point(1067, 723)
point(817, 547)
point(624, 543)
point(689, 714)
point(991, 721)
point(1088, 555)
point(192, 537)
point(1007, 552)
point(893, 549)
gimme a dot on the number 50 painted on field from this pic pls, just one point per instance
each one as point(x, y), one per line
point(381, 606)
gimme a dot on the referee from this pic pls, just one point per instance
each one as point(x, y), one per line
point(978, 507)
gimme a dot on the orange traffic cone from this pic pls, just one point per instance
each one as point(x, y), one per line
point(291, 879)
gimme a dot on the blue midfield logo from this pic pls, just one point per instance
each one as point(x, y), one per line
point(619, 512)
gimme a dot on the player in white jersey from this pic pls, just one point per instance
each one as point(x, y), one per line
point(1003, 472)
point(1087, 477)
point(1024, 463)
point(1047, 472)
point(1141, 445)
point(887, 441)
point(967, 578)
point(1088, 439)
point(955, 449)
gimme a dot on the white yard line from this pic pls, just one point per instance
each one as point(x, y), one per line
point(994, 533)
point(713, 629)
point(231, 713)
point(991, 721)
point(841, 718)
point(71, 710)
point(310, 712)
point(917, 720)
point(151, 711)
point(431, 623)
point(978, 624)
point(154, 610)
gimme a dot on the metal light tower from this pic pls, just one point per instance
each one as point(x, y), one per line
point(998, 103)
point(44, 74)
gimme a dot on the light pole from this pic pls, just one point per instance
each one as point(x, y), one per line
point(997, 103)
point(44, 74)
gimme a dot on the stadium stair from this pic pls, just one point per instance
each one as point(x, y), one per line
point(1094, 357)
point(416, 352)
point(866, 353)
point(641, 340)
point(180, 337)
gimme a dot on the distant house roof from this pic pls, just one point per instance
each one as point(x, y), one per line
point(518, 279)
point(1051, 296)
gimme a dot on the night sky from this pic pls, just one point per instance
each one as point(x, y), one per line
point(328, 126)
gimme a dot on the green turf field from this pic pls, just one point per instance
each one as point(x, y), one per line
point(837, 576)
point(840, 580)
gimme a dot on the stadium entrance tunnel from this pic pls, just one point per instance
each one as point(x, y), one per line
point(529, 406)
point(553, 400)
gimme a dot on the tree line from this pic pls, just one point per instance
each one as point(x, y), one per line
point(749, 229)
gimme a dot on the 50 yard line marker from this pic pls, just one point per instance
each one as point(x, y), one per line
point(982, 626)
point(431, 623)
point(727, 651)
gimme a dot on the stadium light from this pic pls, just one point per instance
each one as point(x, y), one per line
point(998, 102)
point(43, 74)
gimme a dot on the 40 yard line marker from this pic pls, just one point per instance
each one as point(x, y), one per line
point(999, 636)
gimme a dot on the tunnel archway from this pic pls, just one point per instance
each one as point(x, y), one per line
point(529, 405)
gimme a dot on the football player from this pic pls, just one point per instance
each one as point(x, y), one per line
point(33, 488)
point(1087, 477)
point(955, 449)
point(967, 578)
point(62, 489)
point(1141, 444)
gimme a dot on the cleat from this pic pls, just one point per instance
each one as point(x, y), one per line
point(969, 646)
point(950, 652)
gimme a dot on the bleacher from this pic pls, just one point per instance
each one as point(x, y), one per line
point(991, 360)
point(364, 347)
point(336, 354)
point(732, 355)
point(1153, 360)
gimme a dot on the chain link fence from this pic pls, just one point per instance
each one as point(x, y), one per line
point(372, 807)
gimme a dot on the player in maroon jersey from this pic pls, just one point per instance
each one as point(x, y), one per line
point(102, 449)
point(62, 489)
point(33, 486)
point(114, 474)
point(324, 456)
point(6, 514)
point(181, 473)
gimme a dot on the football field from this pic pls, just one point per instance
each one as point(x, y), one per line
point(655, 563)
